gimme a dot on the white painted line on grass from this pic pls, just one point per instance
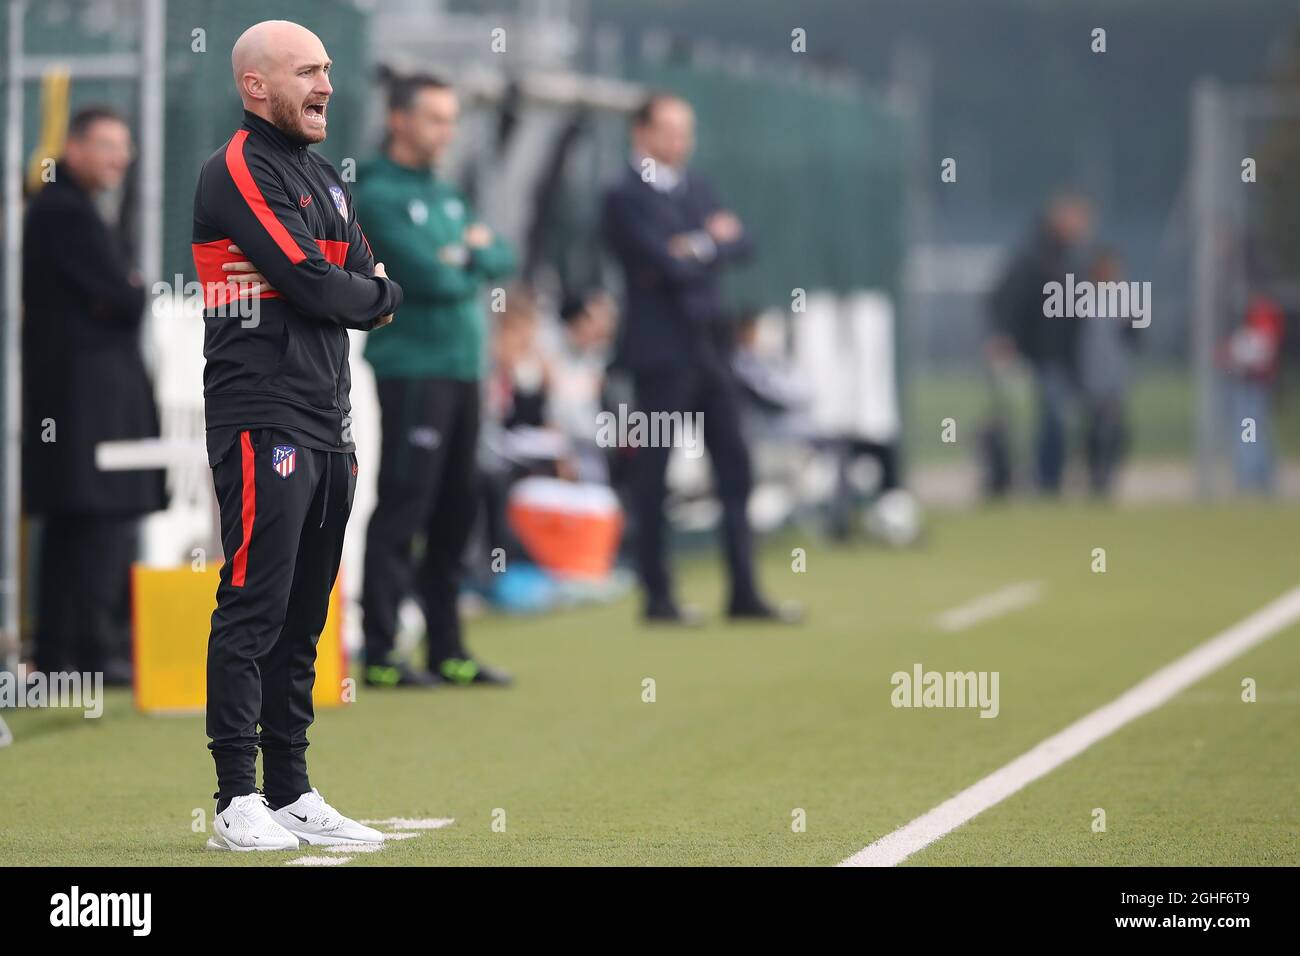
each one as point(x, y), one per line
point(407, 823)
point(404, 828)
point(319, 861)
point(1010, 598)
point(1146, 696)
point(355, 848)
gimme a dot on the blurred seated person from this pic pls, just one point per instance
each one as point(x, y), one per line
point(517, 375)
point(776, 397)
point(577, 363)
point(515, 442)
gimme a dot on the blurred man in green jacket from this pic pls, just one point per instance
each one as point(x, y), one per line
point(427, 370)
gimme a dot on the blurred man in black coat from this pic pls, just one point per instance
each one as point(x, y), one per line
point(1050, 345)
point(84, 382)
point(672, 238)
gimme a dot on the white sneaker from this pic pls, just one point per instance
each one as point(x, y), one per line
point(312, 820)
point(247, 824)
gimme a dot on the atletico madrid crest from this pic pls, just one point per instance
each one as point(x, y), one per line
point(284, 459)
point(340, 201)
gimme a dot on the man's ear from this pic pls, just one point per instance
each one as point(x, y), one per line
point(254, 86)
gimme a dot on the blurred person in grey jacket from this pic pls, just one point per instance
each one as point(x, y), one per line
point(1106, 346)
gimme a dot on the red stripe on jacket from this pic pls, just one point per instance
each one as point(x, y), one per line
point(335, 251)
point(256, 201)
point(218, 290)
point(248, 513)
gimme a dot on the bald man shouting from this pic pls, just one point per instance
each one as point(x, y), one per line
point(286, 271)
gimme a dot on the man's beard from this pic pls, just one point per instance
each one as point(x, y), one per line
point(286, 116)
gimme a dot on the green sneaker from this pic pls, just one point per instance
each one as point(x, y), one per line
point(397, 675)
point(464, 671)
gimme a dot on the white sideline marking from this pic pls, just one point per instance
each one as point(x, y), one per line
point(1140, 699)
point(318, 861)
point(355, 848)
point(404, 828)
point(406, 823)
point(1010, 598)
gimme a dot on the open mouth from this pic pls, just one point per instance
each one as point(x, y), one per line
point(315, 113)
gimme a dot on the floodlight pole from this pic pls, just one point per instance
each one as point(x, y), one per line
point(10, 517)
point(1207, 237)
point(152, 81)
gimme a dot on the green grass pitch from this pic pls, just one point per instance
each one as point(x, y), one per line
point(750, 724)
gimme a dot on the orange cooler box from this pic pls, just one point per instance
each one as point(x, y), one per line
point(571, 530)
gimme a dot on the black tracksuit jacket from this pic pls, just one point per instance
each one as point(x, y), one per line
point(275, 388)
point(290, 214)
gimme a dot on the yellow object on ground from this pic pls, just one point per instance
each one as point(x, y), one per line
point(171, 610)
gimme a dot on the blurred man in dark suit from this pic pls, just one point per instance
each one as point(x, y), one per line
point(672, 238)
point(84, 382)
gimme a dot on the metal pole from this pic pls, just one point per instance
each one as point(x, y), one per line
point(1207, 129)
point(154, 20)
point(10, 519)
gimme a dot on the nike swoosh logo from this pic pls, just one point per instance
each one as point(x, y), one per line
point(295, 816)
point(304, 201)
point(225, 821)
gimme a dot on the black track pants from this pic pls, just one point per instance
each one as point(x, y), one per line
point(711, 394)
point(426, 489)
point(284, 508)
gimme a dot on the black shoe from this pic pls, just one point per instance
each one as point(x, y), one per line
point(397, 675)
point(465, 671)
point(666, 612)
point(756, 609)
